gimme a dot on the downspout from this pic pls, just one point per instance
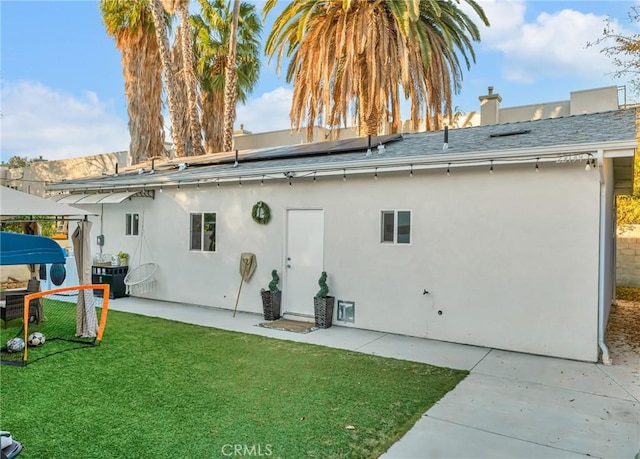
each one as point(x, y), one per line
point(101, 223)
point(602, 265)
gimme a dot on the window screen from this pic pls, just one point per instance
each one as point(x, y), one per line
point(203, 232)
point(132, 224)
point(387, 226)
point(404, 227)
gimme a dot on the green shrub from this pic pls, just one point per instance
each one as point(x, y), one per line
point(628, 210)
point(628, 293)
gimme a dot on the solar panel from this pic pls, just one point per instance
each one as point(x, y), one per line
point(330, 147)
point(323, 148)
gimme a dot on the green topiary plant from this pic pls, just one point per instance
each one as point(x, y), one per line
point(273, 285)
point(324, 288)
point(271, 298)
point(323, 304)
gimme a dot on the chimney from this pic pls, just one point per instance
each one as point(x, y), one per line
point(241, 131)
point(490, 108)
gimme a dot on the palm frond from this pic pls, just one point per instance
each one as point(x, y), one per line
point(353, 58)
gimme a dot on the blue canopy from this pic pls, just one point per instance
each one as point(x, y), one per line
point(26, 249)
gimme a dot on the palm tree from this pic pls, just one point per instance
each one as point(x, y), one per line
point(181, 129)
point(230, 81)
point(190, 81)
point(158, 14)
point(356, 56)
point(131, 25)
point(213, 29)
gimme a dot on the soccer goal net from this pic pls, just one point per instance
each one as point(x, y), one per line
point(54, 321)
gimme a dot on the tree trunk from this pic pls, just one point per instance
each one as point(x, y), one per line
point(230, 81)
point(182, 127)
point(169, 78)
point(190, 81)
point(213, 121)
point(370, 125)
point(368, 116)
point(143, 88)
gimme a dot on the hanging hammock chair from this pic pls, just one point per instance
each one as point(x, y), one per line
point(141, 279)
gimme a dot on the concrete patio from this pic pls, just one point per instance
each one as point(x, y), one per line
point(510, 406)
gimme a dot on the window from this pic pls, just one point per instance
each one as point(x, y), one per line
point(132, 224)
point(203, 232)
point(395, 226)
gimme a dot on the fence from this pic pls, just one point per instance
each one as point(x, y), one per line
point(628, 257)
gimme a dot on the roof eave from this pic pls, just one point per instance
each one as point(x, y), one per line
point(611, 149)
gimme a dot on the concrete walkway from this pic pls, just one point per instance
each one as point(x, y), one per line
point(511, 405)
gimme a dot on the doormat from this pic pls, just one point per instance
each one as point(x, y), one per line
point(290, 325)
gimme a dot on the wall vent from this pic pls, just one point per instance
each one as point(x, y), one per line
point(346, 311)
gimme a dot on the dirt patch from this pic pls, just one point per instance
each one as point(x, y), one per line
point(623, 333)
point(13, 284)
point(290, 325)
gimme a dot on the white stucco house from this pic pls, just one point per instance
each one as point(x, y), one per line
point(503, 237)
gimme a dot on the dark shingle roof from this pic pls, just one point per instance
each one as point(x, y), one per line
point(602, 127)
point(571, 131)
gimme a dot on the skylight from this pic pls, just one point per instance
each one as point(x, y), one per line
point(507, 134)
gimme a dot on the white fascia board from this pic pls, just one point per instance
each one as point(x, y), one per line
point(587, 148)
point(434, 161)
point(527, 155)
point(620, 153)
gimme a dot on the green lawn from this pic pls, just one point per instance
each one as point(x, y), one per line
point(161, 389)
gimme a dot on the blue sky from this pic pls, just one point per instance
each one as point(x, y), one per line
point(62, 90)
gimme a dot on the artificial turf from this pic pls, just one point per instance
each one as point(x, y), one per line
point(160, 389)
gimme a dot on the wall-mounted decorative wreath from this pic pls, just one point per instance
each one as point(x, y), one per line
point(261, 213)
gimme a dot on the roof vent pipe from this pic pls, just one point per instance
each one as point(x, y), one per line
point(116, 174)
point(368, 145)
point(446, 138)
point(236, 163)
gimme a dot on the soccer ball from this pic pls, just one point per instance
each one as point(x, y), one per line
point(35, 339)
point(15, 345)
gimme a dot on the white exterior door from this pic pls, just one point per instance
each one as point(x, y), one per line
point(303, 259)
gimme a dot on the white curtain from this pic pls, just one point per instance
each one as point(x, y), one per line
point(86, 317)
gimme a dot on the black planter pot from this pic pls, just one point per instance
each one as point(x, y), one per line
point(271, 304)
point(323, 308)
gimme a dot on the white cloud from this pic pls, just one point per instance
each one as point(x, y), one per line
point(554, 44)
point(267, 112)
point(505, 19)
point(40, 121)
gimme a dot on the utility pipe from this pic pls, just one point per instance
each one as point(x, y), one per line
point(602, 265)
